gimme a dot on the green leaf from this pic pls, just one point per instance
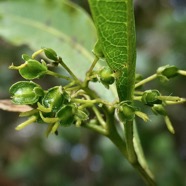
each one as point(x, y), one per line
point(139, 151)
point(57, 24)
point(114, 21)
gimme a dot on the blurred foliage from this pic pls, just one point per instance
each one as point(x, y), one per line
point(81, 157)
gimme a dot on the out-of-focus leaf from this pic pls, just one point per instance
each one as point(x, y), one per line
point(6, 104)
point(56, 24)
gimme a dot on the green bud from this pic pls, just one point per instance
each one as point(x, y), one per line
point(55, 98)
point(94, 79)
point(98, 50)
point(106, 76)
point(33, 69)
point(26, 57)
point(66, 115)
point(138, 78)
point(169, 71)
point(126, 112)
point(81, 115)
point(159, 109)
point(93, 76)
point(150, 97)
point(169, 125)
point(24, 92)
point(50, 54)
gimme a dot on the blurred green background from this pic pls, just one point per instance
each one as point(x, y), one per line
point(79, 157)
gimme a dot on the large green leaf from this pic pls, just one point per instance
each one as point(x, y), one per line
point(114, 21)
point(56, 24)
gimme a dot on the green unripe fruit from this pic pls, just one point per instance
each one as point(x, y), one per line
point(106, 76)
point(32, 69)
point(168, 71)
point(66, 115)
point(159, 109)
point(25, 92)
point(55, 98)
point(126, 112)
point(150, 97)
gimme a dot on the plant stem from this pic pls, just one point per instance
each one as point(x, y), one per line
point(26, 123)
point(95, 127)
point(169, 98)
point(37, 53)
point(129, 141)
point(93, 65)
point(131, 156)
point(99, 117)
point(182, 100)
point(137, 98)
point(146, 80)
point(92, 101)
point(125, 67)
point(68, 70)
point(87, 79)
point(143, 173)
point(58, 75)
point(182, 72)
point(113, 133)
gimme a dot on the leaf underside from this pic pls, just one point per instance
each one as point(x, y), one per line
point(56, 24)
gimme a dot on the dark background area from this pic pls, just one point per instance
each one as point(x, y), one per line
point(81, 157)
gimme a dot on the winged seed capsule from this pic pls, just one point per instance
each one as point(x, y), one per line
point(33, 69)
point(25, 92)
point(54, 99)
